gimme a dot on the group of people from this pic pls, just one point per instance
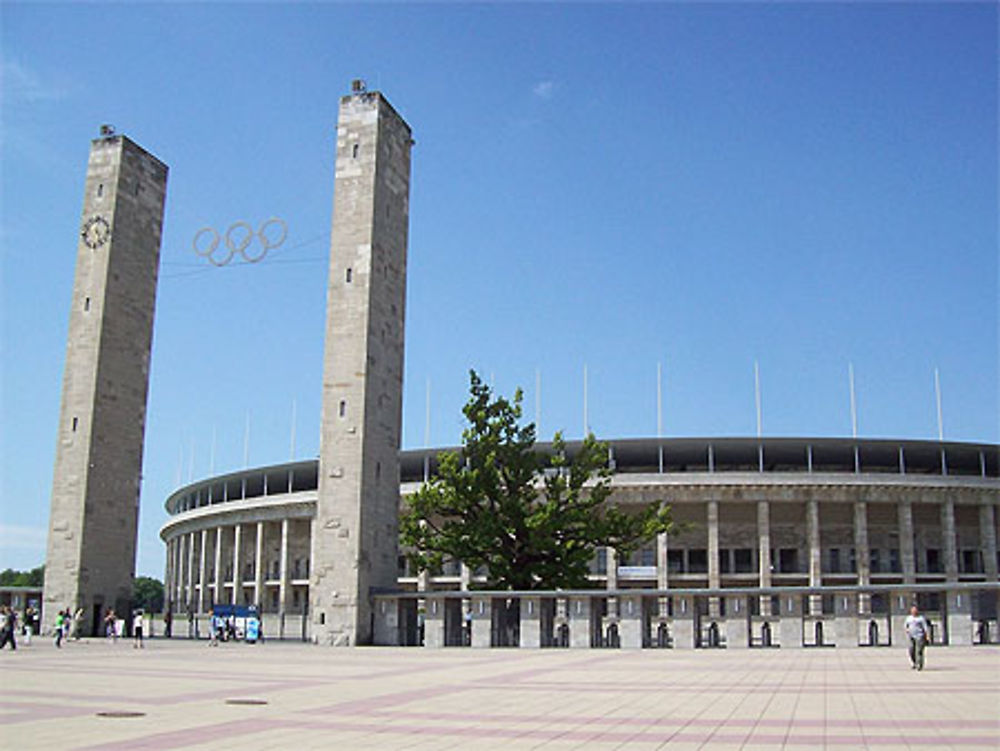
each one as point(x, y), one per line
point(67, 624)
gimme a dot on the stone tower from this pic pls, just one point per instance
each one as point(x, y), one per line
point(355, 531)
point(95, 489)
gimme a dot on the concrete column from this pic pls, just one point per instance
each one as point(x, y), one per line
point(737, 622)
point(531, 631)
point(283, 580)
point(988, 540)
point(790, 625)
point(815, 555)
point(612, 581)
point(237, 574)
point(179, 571)
point(258, 569)
point(845, 627)
point(168, 575)
point(959, 618)
point(662, 571)
point(202, 579)
point(217, 587)
point(862, 556)
point(630, 622)
point(906, 552)
point(712, 514)
point(948, 541)
point(182, 543)
point(387, 623)
point(685, 622)
point(434, 623)
point(764, 551)
point(579, 622)
point(482, 621)
point(190, 569)
point(899, 607)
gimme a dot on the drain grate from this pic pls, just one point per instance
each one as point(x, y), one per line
point(121, 714)
point(247, 702)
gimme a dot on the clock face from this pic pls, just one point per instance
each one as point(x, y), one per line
point(96, 231)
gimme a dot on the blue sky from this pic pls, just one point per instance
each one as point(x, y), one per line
point(603, 185)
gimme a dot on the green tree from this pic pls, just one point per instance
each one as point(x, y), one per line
point(33, 578)
point(147, 593)
point(532, 521)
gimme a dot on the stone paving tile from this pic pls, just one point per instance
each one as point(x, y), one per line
point(483, 699)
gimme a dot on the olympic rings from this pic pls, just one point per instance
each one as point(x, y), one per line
point(239, 237)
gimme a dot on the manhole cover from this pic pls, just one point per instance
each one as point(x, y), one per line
point(246, 701)
point(121, 714)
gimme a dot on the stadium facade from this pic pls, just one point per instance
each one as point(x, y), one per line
point(781, 534)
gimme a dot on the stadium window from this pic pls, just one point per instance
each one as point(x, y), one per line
point(697, 561)
point(75, 422)
point(86, 303)
point(342, 409)
point(354, 151)
point(349, 275)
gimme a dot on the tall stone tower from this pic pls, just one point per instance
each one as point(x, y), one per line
point(95, 490)
point(355, 531)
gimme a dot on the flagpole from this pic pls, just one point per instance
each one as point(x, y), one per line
point(659, 413)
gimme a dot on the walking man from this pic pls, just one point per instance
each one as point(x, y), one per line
point(918, 630)
point(137, 622)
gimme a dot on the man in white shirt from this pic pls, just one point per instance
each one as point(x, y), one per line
point(137, 623)
point(919, 632)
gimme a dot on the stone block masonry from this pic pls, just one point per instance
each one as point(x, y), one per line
point(95, 489)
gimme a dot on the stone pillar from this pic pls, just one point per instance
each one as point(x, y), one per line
point(948, 540)
point(815, 556)
point(712, 514)
point(900, 602)
point(662, 573)
point(579, 622)
point(764, 552)
point(988, 540)
point(217, 587)
point(862, 556)
point(790, 624)
point(906, 551)
point(283, 579)
point(190, 569)
point(258, 569)
point(167, 576)
point(482, 621)
point(737, 622)
point(630, 623)
point(531, 633)
point(237, 574)
point(202, 580)
point(434, 623)
point(845, 627)
point(959, 618)
point(387, 623)
point(685, 622)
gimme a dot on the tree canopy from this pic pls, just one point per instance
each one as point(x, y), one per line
point(33, 578)
point(531, 520)
point(147, 593)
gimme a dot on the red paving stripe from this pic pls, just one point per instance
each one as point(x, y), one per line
point(224, 733)
point(686, 722)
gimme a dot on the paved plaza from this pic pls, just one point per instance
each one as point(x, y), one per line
point(184, 694)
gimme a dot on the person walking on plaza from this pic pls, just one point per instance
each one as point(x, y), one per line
point(29, 625)
point(8, 623)
point(137, 630)
point(110, 630)
point(918, 630)
point(59, 630)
